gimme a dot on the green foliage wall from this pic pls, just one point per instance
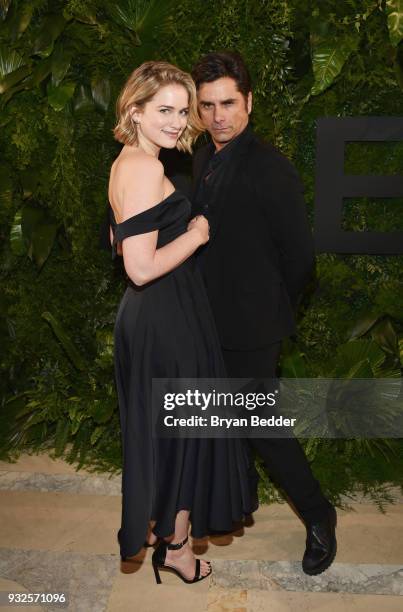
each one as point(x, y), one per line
point(62, 64)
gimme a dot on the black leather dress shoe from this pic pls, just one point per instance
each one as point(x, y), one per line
point(321, 544)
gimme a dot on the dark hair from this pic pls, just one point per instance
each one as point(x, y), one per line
point(214, 66)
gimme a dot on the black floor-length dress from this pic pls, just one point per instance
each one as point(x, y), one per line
point(165, 329)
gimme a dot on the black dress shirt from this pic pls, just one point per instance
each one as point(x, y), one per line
point(205, 199)
point(218, 163)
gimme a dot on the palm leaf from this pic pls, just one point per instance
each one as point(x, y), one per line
point(9, 61)
point(131, 14)
point(354, 356)
point(394, 12)
point(71, 351)
point(83, 99)
point(51, 28)
point(8, 82)
point(145, 19)
point(101, 92)
point(328, 59)
point(384, 334)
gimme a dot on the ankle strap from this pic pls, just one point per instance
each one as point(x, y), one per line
point(178, 546)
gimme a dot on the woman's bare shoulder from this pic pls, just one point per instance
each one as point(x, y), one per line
point(134, 164)
point(138, 182)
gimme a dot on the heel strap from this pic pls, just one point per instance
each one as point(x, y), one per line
point(178, 546)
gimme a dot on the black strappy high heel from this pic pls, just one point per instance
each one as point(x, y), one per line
point(158, 561)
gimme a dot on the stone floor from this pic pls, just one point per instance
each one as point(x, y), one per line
point(58, 534)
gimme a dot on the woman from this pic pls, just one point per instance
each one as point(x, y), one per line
point(164, 328)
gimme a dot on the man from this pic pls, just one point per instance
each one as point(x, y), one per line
point(257, 261)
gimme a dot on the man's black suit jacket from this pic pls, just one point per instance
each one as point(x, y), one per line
point(260, 254)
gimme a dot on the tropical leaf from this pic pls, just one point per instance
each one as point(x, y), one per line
point(83, 99)
point(61, 60)
point(40, 72)
point(363, 325)
point(362, 369)
point(13, 69)
point(351, 355)
point(328, 58)
point(96, 434)
point(101, 92)
point(84, 14)
point(61, 436)
point(145, 19)
point(18, 402)
point(71, 351)
point(42, 242)
point(18, 19)
point(17, 243)
point(29, 180)
point(133, 13)
point(59, 96)
point(4, 6)
point(24, 17)
point(292, 363)
point(101, 411)
point(51, 28)
point(6, 187)
point(394, 12)
point(5, 97)
point(39, 233)
point(105, 343)
point(293, 366)
point(384, 334)
point(13, 78)
point(9, 61)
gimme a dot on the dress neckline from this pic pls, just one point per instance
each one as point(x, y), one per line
point(164, 201)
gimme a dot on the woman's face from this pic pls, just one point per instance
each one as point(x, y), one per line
point(163, 119)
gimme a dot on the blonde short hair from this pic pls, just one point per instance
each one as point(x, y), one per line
point(141, 87)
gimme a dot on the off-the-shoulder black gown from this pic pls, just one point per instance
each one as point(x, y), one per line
point(165, 329)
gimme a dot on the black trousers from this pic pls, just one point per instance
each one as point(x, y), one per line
point(283, 458)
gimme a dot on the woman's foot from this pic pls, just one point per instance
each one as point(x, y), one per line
point(185, 561)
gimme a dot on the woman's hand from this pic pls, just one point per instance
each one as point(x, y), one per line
point(200, 224)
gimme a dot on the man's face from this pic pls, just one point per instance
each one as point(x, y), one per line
point(223, 110)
